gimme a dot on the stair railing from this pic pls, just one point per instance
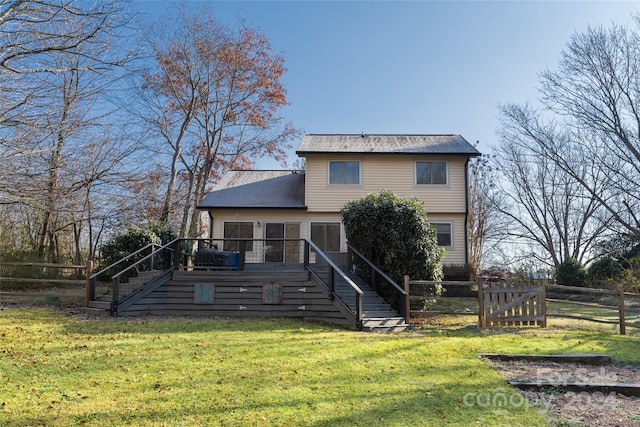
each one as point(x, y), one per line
point(168, 256)
point(91, 292)
point(374, 273)
point(332, 273)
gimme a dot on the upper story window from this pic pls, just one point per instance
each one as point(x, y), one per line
point(431, 173)
point(444, 234)
point(341, 173)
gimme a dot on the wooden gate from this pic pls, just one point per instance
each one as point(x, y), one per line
point(512, 304)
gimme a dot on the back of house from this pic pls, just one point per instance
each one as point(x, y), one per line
point(294, 204)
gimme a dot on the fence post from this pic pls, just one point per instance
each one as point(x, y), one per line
point(623, 326)
point(481, 318)
point(543, 308)
point(407, 302)
point(90, 289)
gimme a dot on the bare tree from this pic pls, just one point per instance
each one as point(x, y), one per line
point(595, 96)
point(486, 225)
point(62, 135)
point(547, 206)
point(221, 94)
point(35, 32)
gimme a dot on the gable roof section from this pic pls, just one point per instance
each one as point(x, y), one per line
point(257, 189)
point(386, 144)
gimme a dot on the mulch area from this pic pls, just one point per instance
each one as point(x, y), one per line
point(565, 408)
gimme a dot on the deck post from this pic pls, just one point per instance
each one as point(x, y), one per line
point(332, 287)
point(176, 255)
point(90, 290)
point(114, 298)
point(407, 299)
point(150, 261)
point(306, 254)
point(243, 253)
point(359, 311)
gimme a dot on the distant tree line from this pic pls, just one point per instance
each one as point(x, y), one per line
point(567, 194)
point(109, 120)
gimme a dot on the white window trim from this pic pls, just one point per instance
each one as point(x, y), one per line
point(415, 173)
point(359, 184)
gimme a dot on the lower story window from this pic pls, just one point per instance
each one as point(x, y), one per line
point(240, 231)
point(326, 235)
point(443, 231)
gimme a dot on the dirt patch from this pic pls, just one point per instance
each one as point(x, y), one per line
point(576, 408)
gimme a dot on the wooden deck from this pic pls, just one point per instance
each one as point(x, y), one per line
point(242, 294)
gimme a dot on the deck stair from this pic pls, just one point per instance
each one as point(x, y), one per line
point(102, 304)
point(251, 288)
point(378, 315)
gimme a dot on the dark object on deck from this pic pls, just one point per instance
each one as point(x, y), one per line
point(216, 260)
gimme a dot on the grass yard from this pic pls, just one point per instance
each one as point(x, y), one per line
point(57, 370)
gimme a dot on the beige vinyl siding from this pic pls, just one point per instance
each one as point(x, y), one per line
point(220, 216)
point(455, 254)
point(394, 173)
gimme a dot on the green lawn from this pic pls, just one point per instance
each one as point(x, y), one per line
point(55, 370)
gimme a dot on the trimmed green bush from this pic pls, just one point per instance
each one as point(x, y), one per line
point(131, 240)
point(603, 269)
point(394, 233)
point(571, 273)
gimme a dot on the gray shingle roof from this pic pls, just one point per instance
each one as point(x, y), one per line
point(257, 189)
point(386, 144)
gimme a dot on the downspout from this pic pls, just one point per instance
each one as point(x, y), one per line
point(466, 211)
point(210, 225)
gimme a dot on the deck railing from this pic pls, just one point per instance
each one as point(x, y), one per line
point(338, 283)
point(233, 255)
point(158, 259)
point(380, 282)
point(236, 254)
point(93, 279)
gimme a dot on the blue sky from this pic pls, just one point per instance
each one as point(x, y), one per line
point(412, 67)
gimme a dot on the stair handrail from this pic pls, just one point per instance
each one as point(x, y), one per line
point(116, 277)
point(334, 268)
point(91, 294)
point(152, 254)
point(402, 300)
point(94, 277)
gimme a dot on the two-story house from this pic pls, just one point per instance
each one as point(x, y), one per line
point(306, 203)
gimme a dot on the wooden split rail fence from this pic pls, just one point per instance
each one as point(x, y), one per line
point(46, 273)
point(520, 304)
